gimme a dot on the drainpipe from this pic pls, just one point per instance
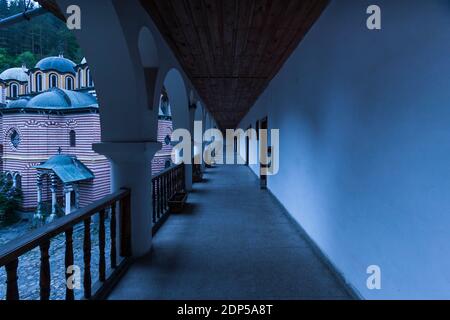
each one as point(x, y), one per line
point(24, 16)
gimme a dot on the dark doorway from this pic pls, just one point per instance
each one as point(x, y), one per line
point(247, 146)
point(263, 177)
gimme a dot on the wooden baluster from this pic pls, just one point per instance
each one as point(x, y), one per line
point(167, 189)
point(162, 195)
point(159, 198)
point(179, 179)
point(125, 233)
point(183, 177)
point(101, 244)
point(175, 180)
point(165, 193)
point(154, 199)
point(69, 262)
point(170, 185)
point(87, 258)
point(113, 236)
point(12, 290)
point(44, 279)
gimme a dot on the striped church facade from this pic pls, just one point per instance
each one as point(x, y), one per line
point(43, 136)
point(162, 159)
point(50, 110)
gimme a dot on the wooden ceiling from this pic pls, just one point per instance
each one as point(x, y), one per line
point(231, 49)
point(51, 6)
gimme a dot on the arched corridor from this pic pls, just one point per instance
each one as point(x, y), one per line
point(351, 119)
point(234, 241)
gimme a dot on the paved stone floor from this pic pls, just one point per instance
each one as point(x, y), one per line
point(29, 264)
point(233, 242)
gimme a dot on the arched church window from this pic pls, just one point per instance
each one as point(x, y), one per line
point(53, 81)
point(73, 138)
point(17, 180)
point(14, 90)
point(14, 138)
point(167, 140)
point(69, 83)
point(38, 82)
point(165, 104)
point(80, 79)
point(89, 81)
point(167, 164)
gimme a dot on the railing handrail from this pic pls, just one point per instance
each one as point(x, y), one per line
point(14, 249)
point(165, 171)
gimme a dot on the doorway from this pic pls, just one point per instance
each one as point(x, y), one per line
point(263, 177)
point(247, 147)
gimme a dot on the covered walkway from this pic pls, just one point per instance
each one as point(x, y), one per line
point(234, 241)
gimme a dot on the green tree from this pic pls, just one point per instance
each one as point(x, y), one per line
point(6, 61)
point(29, 41)
point(26, 58)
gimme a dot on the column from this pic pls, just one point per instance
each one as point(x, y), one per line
point(131, 168)
point(76, 189)
point(15, 180)
point(188, 167)
point(53, 188)
point(38, 215)
point(68, 191)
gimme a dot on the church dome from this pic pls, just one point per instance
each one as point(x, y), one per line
point(18, 104)
point(59, 64)
point(19, 74)
point(62, 99)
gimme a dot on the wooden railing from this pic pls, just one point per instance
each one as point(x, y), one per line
point(164, 186)
point(42, 237)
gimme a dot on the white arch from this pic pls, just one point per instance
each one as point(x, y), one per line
point(69, 83)
point(179, 102)
point(53, 81)
point(17, 180)
point(14, 90)
point(199, 112)
point(147, 49)
point(9, 175)
point(178, 97)
point(149, 58)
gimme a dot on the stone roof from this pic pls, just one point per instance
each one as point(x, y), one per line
point(18, 74)
point(55, 99)
point(59, 64)
point(68, 168)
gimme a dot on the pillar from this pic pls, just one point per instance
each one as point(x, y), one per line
point(76, 189)
point(15, 180)
point(38, 215)
point(188, 167)
point(53, 191)
point(131, 168)
point(67, 191)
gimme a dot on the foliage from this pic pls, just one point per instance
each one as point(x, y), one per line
point(10, 198)
point(26, 58)
point(29, 41)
